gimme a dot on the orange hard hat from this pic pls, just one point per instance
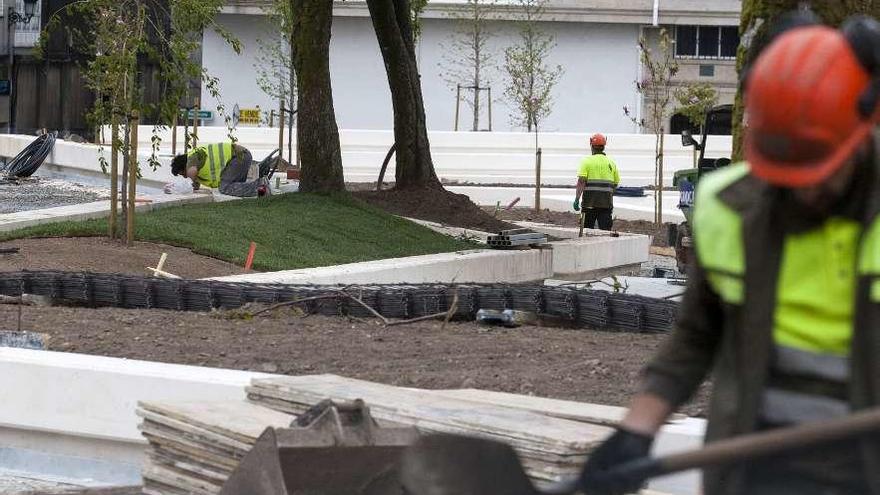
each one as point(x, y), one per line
point(802, 106)
point(598, 140)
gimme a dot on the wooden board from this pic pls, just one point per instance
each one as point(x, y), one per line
point(188, 484)
point(238, 420)
point(564, 409)
point(549, 447)
point(195, 446)
point(547, 434)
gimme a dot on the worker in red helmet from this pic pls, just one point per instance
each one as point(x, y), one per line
point(597, 180)
point(783, 304)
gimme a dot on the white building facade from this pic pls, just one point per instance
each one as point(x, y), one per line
point(596, 44)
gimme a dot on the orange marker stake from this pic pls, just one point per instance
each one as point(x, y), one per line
point(250, 257)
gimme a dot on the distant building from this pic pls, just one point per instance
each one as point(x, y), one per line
point(596, 45)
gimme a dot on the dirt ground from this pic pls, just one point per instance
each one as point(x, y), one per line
point(436, 205)
point(98, 254)
point(570, 219)
point(583, 365)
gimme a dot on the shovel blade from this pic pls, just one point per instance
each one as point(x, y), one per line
point(457, 465)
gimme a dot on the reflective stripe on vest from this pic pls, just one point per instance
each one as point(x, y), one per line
point(599, 185)
point(782, 407)
point(718, 234)
point(216, 157)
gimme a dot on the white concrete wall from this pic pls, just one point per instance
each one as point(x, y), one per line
point(485, 157)
point(600, 63)
point(78, 407)
point(475, 266)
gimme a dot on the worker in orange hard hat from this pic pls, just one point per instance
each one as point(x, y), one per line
point(783, 304)
point(597, 180)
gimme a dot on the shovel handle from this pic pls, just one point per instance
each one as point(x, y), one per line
point(739, 449)
point(773, 442)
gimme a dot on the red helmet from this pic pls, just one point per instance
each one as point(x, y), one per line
point(598, 140)
point(802, 107)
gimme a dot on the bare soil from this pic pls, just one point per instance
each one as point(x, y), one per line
point(102, 255)
point(436, 205)
point(571, 219)
point(583, 365)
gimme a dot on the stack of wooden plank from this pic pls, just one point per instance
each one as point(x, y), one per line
point(597, 414)
point(195, 446)
point(550, 447)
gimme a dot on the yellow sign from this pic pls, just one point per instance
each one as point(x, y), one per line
point(249, 116)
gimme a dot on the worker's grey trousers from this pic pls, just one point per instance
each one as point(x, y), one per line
point(233, 179)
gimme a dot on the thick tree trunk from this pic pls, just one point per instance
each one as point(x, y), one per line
point(316, 131)
point(757, 15)
point(392, 22)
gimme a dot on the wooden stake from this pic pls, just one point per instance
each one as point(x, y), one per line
point(489, 90)
point(457, 104)
point(114, 177)
point(660, 181)
point(174, 136)
point(132, 177)
point(281, 129)
point(195, 137)
point(161, 265)
point(538, 180)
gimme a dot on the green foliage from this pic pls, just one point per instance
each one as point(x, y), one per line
point(530, 79)
point(659, 68)
point(416, 8)
point(695, 100)
point(757, 15)
point(291, 231)
point(467, 57)
point(119, 37)
point(274, 63)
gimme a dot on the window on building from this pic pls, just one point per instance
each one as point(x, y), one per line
point(679, 122)
point(718, 42)
point(729, 41)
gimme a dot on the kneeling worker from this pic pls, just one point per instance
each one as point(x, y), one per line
point(597, 179)
point(222, 166)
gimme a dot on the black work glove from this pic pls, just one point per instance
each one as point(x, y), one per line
point(621, 447)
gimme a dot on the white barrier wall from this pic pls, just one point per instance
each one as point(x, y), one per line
point(84, 158)
point(481, 157)
point(81, 409)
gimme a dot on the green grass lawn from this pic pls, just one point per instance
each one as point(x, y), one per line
point(291, 231)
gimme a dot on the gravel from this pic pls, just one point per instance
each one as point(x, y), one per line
point(657, 261)
point(36, 193)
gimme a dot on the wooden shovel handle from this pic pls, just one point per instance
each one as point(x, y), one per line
point(772, 442)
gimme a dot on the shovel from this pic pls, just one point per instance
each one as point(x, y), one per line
point(456, 465)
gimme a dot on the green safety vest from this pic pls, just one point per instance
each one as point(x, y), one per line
point(600, 172)
point(815, 302)
point(216, 156)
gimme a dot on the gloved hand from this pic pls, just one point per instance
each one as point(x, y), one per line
point(577, 204)
point(621, 447)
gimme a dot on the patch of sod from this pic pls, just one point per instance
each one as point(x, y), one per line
point(291, 231)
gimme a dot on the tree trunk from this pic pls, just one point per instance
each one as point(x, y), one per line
point(316, 131)
point(753, 28)
point(391, 20)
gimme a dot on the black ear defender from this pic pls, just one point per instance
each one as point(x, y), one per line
point(863, 34)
